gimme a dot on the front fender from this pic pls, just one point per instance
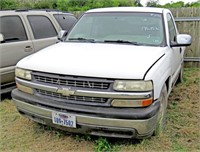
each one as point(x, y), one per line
point(159, 73)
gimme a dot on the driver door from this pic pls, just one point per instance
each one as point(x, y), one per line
point(177, 52)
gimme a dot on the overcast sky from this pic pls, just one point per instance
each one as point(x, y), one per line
point(167, 1)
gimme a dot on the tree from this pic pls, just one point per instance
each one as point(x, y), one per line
point(152, 3)
point(83, 5)
point(8, 4)
point(174, 5)
point(62, 5)
point(126, 3)
point(138, 3)
point(45, 4)
point(193, 4)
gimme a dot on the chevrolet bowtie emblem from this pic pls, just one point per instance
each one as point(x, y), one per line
point(66, 91)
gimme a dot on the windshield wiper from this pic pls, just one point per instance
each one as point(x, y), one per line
point(121, 41)
point(82, 39)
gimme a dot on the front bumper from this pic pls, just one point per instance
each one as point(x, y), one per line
point(136, 124)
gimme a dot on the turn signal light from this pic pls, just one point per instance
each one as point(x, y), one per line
point(131, 103)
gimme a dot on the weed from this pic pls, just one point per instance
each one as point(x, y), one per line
point(58, 134)
point(102, 145)
point(83, 137)
point(145, 142)
point(173, 105)
point(178, 147)
point(197, 81)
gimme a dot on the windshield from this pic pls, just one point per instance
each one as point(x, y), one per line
point(131, 28)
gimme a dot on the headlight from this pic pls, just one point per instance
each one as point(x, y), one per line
point(24, 74)
point(122, 85)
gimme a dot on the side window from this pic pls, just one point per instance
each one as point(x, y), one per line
point(65, 21)
point(12, 28)
point(41, 27)
point(171, 27)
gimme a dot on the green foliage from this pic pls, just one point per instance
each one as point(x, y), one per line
point(83, 137)
point(102, 145)
point(193, 4)
point(174, 5)
point(45, 4)
point(138, 3)
point(61, 4)
point(182, 4)
point(126, 3)
point(8, 4)
point(83, 5)
point(25, 4)
point(152, 3)
point(79, 5)
point(65, 5)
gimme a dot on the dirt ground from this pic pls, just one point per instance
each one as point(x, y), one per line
point(182, 131)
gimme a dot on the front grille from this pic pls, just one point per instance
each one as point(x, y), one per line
point(72, 81)
point(73, 98)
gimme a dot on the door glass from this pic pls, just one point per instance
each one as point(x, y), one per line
point(42, 27)
point(12, 29)
point(65, 21)
point(172, 29)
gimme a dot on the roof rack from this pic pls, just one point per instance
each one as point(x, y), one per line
point(22, 10)
point(47, 10)
point(6, 9)
point(29, 9)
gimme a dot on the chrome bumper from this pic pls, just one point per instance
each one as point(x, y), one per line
point(142, 128)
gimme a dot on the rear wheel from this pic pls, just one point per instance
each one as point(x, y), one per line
point(161, 119)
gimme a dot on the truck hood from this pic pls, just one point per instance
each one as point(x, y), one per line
point(94, 60)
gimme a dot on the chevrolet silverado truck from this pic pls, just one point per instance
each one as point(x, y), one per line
point(110, 76)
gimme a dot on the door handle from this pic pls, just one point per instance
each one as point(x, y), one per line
point(28, 49)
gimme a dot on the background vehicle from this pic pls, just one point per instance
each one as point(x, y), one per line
point(111, 76)
point(23, 32)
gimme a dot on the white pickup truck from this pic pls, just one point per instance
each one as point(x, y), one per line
point(110, 76)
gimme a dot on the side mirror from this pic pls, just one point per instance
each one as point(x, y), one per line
point(1, 38)
point(182, 40)
point(62, 34)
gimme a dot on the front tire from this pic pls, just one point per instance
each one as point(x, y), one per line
point(161, 119)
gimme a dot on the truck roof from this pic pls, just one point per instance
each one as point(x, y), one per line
point(127, 9)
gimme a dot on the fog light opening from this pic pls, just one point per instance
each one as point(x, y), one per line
point(24, 88)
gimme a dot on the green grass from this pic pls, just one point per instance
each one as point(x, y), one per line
point(181, 133)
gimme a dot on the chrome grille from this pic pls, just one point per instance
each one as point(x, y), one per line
point(73, 98)
point(72, 82)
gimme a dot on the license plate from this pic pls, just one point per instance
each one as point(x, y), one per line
point(64, 119)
